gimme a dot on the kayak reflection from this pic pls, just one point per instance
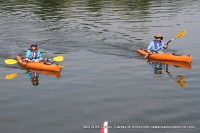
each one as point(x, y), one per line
point(35, 74)
point(161, 67)
point(183, 65)
point(34, 77)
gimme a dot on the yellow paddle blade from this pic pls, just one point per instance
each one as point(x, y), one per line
point(58, 58)
point(181, 83)
point(11, 76)
point(181, 77)
point(10, 61)
point(180, 34)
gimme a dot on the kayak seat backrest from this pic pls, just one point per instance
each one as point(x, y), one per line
point(48, 63)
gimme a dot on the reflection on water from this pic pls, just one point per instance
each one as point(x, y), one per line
point(180, 81)
point(34, 75)
point(67, 22)
point(160, 68)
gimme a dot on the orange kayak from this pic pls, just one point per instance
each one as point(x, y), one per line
point(166, 56)
point(39, 65)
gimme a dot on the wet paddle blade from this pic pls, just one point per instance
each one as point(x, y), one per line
point(10, 61)
point(11, 76)
point(182, 33)
point(58, 58)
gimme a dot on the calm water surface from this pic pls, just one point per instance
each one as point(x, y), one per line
point(103, 77)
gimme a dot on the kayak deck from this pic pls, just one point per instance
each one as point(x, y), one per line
point(39, 65)
point(165, 56)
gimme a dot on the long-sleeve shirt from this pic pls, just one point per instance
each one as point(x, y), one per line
point(33, 55)
point(154, 45)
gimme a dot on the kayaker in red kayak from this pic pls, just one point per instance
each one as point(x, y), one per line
point(33, 54)
point(157, 45)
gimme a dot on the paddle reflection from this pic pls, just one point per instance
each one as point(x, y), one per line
point(33, 75)
point(180, 81)
point(161, 67)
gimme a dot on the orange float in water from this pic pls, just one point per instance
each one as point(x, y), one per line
point(165, 56)
point(39, 65)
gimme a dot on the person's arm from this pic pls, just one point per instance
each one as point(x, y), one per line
point(149, 48)
point(40, 55)
point(165, 45)
point(28, 54)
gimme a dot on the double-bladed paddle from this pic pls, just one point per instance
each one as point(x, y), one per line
point(13, 61)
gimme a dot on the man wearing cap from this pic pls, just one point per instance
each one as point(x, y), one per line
point(157, 45)
point(33, 54)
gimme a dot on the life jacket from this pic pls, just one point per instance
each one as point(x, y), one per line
point(32, 54)
point(34, 74)
point(156, 47)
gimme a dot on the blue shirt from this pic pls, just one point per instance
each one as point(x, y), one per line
point(31, 74)
point(158, 68)
point(29, 54)
point(154, 45)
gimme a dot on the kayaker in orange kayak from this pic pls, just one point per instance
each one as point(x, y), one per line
point(157, 45)
point(33, 54)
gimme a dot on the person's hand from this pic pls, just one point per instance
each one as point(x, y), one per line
point(146, 56)
point(25, 59)
point(148, 51)
point(166, 45)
